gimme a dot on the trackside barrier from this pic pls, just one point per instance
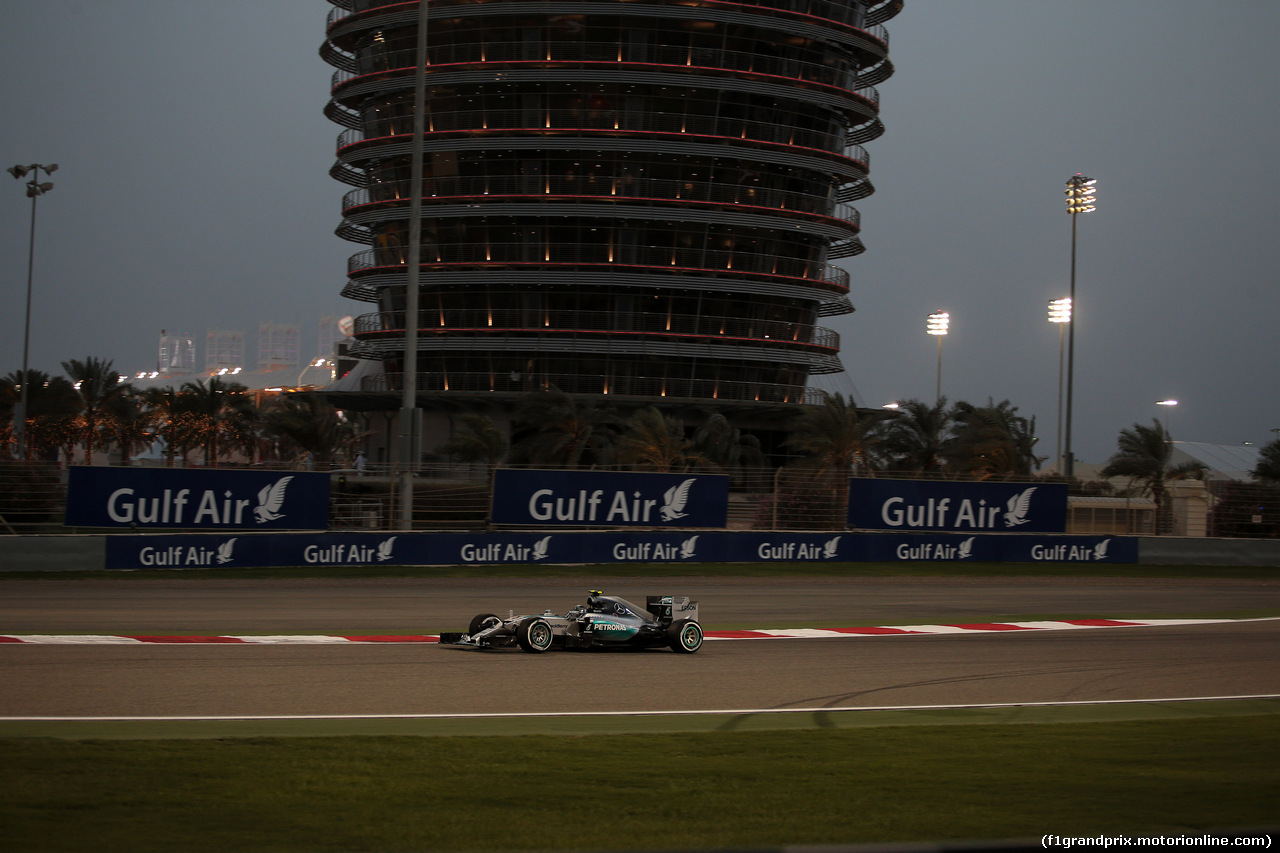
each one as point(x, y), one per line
point(226, 550)
point(202, 550)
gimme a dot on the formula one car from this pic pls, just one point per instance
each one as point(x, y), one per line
point(604, 621)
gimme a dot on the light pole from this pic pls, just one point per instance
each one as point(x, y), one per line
point(1060, 313)
point(35, 189)
point(410, 414)
point(1080, 199)
point(1168, 410)
point(937, 325)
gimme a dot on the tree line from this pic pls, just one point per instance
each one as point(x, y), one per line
point(92, 409)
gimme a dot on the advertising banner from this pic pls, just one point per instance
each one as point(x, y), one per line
point(232, 549)
point(793, 547)
point(910, 505)
point(141, 498)
point(609, 498)
point(652, 547)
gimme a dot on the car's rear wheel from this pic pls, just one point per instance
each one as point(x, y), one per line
point(482, 621)
point(685, 636)
point(534, 634)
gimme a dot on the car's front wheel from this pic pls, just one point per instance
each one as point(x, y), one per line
point(685, 636)
point(482, 621)
point(534, 634)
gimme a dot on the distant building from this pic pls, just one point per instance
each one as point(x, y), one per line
point(1222, 461)
point(644, 200)
point(277, 345)
point(177, 355)
point(223, 349)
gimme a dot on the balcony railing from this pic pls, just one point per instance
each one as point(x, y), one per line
point(547, 187)
point(635, 322)
point(545, 119)
point(654, 387)
point(539, 52)
point(833, 11)
point(541, 253)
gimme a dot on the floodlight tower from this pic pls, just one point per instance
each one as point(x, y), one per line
point(1080, 199)
point(35, 189)
point(1060, 313)
point(937, 325)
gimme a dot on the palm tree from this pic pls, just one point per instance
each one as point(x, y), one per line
point(163, 409)
point(1268, 467)
point(559, 432)
point(98, 384)
point(992, 441)
point(214, 414)
point(725, 446)
point(310, 425)
point(1143, 454)
point(656, 442)
point(52, 406)
point(836, 437)
point(132, 425)
point(914, 438)
point(839, 442)
point(476, 439)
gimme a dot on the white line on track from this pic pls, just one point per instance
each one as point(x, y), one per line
point(665, 713)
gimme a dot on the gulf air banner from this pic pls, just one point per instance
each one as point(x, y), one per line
point(636, 549)
point(142, 498)
point(961, 507)
point(609, 498)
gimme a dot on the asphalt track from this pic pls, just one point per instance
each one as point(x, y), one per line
point(1095, 665)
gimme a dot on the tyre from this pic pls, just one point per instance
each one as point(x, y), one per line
point(685, 636)
point(534, 635)
point(482, 621)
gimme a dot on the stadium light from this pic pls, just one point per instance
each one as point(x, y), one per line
point(35, 189)
point(1081, 198)
point(937, 325)
point(1060, 313)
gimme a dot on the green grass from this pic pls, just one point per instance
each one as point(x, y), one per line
point(652, 791)
point(714, 570)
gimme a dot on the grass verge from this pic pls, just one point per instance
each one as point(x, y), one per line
point(651, 791)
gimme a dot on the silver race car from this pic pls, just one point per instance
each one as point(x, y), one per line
point(604, 621)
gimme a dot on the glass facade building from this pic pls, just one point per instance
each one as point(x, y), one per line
point(641, 198)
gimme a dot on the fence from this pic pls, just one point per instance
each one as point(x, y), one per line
point(457, 497)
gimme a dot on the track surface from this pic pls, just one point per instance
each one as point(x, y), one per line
point(1020, 666)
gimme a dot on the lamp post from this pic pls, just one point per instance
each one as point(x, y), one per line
point(35, 189)
point(937, 325)
point(1168, 410)
point(1080, 199)
point(410, 414)
point(1060, 313)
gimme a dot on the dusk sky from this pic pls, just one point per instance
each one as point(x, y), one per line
point(193, 194)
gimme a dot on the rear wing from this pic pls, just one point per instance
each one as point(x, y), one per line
point(671, 608)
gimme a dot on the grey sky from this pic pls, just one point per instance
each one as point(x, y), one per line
point(193, 193)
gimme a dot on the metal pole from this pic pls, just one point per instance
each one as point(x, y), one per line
point(410, 418)
point(1069, 462)
point(1058, 450)
point(20, 415)
point(938, 397)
